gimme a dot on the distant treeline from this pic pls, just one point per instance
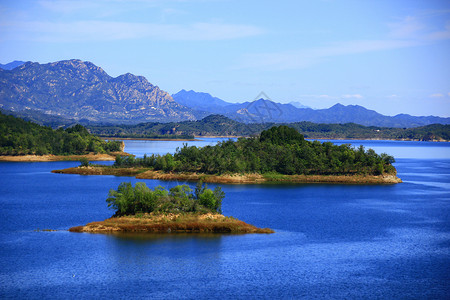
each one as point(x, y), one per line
point(19, 137)
point(279, 150)
point(217, 125)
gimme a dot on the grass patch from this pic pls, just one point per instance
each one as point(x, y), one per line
point(274, 176)
point(172, 223)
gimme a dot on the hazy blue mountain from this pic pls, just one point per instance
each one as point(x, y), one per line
point(263, 110)
point(11, 65)
point(298, 104)
point(199, 101)
point(74, 89)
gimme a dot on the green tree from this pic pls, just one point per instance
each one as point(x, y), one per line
point(84, 162)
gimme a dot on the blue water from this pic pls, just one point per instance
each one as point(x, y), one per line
point(331, 241)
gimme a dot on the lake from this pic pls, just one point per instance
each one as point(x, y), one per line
point(331, 241)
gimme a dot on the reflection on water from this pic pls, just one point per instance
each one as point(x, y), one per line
point(149, 237)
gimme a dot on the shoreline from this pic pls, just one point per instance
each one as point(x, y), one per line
point(149, 139)
point(140, 173)
point(171, 223)
point(51, 157)
point(378, 139)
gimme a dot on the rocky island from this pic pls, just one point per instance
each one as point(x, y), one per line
point(171, 223)
point(140, 209)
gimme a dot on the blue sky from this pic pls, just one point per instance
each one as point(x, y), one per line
point(390, 56)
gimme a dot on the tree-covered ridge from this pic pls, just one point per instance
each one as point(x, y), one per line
point(213, 125)
point(217, 125)
point(19, 137)
point(280, 150)
point(129, 200)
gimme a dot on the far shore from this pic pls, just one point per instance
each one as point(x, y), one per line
point(197, 137)
point(141, 173)
point(50, 157)
point(148, 139)
point(375, 139)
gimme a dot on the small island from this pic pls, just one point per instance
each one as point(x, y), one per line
point(278, 155)
point(179, 210)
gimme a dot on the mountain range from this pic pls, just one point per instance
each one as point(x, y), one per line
point(263, 111)
point(77, 91)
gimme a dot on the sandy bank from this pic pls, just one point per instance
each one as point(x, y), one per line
point(50, 157)
point(171, 223)
point(258, 178)
point(233, 179)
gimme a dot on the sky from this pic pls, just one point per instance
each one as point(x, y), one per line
point(385, 55)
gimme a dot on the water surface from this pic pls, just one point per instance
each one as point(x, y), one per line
point(331, 241)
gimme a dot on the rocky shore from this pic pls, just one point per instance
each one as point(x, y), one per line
point(141, 173)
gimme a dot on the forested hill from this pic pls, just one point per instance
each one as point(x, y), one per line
point(218, 125)
point(213, 125)
point(19, 137)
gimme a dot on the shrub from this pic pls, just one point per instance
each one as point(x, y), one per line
point(84, 162)
point(129, 200)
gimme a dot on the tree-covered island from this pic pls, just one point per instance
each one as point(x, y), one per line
point(24, 141)
point(279, 154)
point(180, 209)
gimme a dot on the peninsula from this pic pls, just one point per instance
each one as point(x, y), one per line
point(140, 209)
point(23, 141)
point(279, 155)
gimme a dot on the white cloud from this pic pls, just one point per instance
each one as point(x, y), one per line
point(66, 6)
point(304, 58)
point(407, 28)
point(437, 95)
point(393, 96)
point(107, 31)
point(419, 28)
point(440, 35)
point(319, 96)
point(348, 96)
point(409, 32)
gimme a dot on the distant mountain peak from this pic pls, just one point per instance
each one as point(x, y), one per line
point(199, 100)
point(263, 96)
point(298, 104)
point(11, 65)
point(338, 105)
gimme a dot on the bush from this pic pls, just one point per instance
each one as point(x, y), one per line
point(84, 162)
point(129, 200)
